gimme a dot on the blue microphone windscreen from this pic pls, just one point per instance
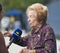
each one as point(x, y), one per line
point(17, 33)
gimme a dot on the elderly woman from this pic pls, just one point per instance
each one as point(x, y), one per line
point(41, 39)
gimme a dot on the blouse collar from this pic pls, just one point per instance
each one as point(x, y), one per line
point(40, 26)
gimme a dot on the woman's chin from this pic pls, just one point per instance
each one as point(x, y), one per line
point(31, 26)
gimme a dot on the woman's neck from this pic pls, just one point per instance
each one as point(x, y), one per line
point(37, 26)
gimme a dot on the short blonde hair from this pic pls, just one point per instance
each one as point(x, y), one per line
point(41, 10)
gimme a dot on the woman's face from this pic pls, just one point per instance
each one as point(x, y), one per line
point(32, 18)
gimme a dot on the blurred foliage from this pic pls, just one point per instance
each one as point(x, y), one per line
point(19, 4)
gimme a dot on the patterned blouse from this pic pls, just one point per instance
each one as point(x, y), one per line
point(42, 40)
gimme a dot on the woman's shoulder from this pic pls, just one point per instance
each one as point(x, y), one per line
point(48, 28)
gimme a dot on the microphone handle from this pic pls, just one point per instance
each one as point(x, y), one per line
point(10, 42)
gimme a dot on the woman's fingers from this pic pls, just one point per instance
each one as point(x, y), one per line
point(21, 51)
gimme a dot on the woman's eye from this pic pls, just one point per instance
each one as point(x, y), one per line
point(30, 15)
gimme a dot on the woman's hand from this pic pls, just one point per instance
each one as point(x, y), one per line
point(7, 34)
point(25, 50)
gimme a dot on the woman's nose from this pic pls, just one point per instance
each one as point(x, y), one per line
point(28, 20)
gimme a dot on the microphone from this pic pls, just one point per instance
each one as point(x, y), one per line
point(15, 36)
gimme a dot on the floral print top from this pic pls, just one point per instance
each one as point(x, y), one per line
point(42, 40)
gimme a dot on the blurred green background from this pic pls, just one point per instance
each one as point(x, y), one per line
point(20, 4)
